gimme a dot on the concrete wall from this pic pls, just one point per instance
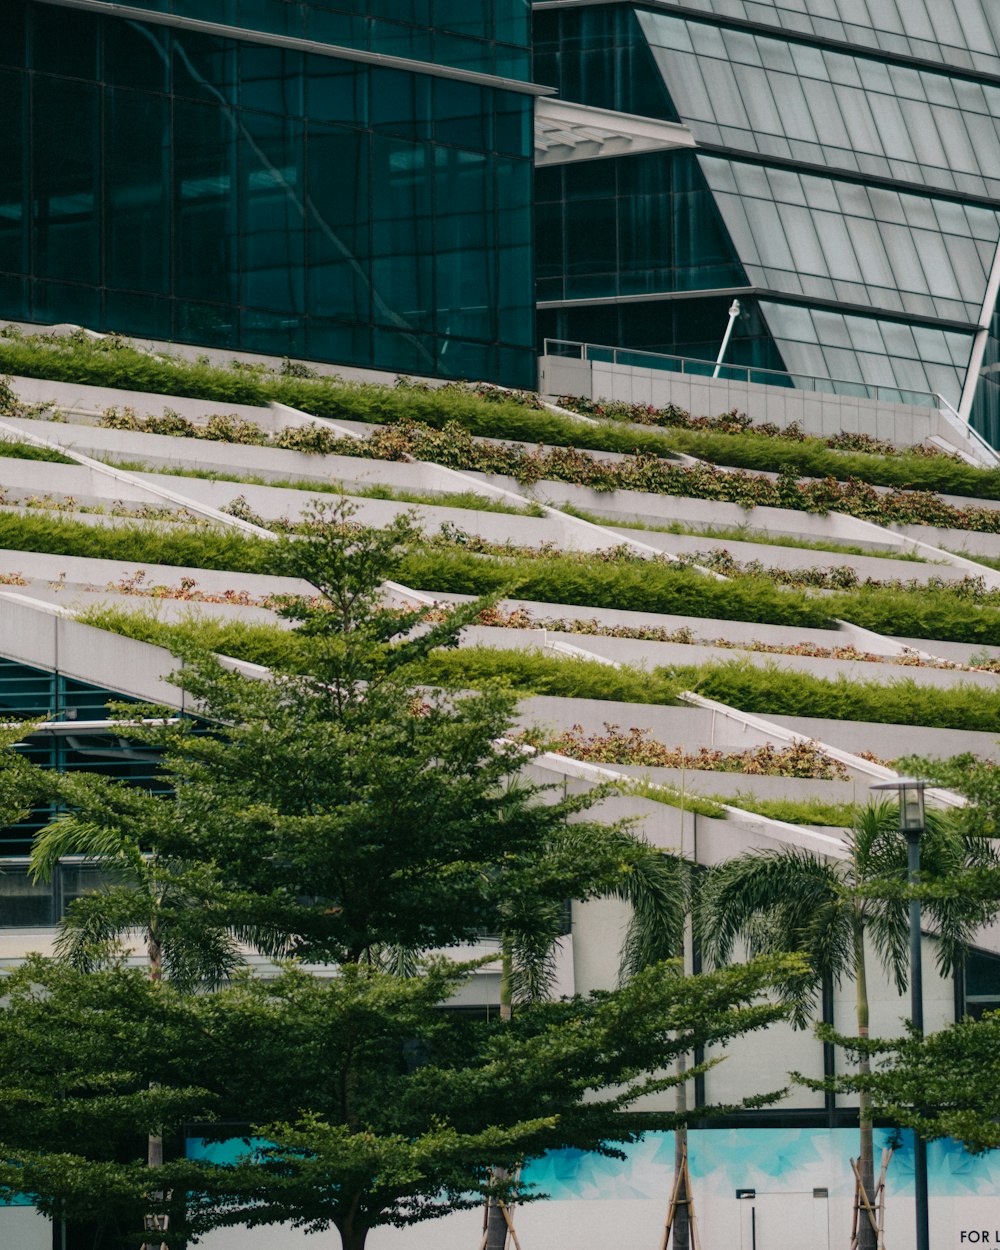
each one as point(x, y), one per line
point(815, 412)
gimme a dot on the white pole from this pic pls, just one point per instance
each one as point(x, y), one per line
point(734, 312)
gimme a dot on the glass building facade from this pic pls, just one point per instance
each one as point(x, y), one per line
point(34, 694)
point(265, 193)
point(844, 185)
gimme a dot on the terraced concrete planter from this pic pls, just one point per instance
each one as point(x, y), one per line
point(44, 639)
point(687, 726)
point(82, 400)
point(702, 627)
point(892, 741)
point(710, 781)
point(773, 556)
point(649, 655)
point(817, 412)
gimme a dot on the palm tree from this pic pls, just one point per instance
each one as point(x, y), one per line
point(144, 894)
point(656, 885)
point(830, 909)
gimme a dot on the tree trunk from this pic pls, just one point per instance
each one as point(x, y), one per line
point(680, 1233)
point(352, 1238)
point(154, 1144)
point(866, 1159)
point(496, 1225)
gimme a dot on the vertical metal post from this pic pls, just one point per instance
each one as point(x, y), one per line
point(917, 1016)
point(734, 312)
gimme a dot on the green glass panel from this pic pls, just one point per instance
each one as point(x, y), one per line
point(336, 90)
point(465, 278)
point(458, 358)
point(136, 194)
point(204, 68)
point(403, 350)
point(64, 41)
point(513, 22)
point(401, 104)
point(136, 55)
point(631, 225)
point(278, 17)
point(127, 312)
point(414, 12)
point(597, 55)
point(215, 325)
point(402, 236)
point(179, 211)
point(410, 42)
point(471, 54)
point(330, 340)
point(460, 17)
point(513, 124)
point(271, 80)
point(13, 33)
point(338, 228)
point(272, 213)
point(275, 333)
point(204, 203)
point(347, 29)
point(13, 181)
point(15, 297)
point(66, 208)
point(462, 114)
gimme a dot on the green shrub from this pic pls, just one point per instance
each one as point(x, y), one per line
point(770, 691)
point(642, 586)
point(264, 644)
point(533, 673)
point(811, 458)
point(766, 691)
point(144, 544)
point(919, 613)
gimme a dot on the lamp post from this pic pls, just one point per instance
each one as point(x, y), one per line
point(910, 793)
point(734, 312)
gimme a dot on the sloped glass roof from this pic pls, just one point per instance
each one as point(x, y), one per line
point(845, 241)
point(870, 351)
point(794, 101)
point(961, 33)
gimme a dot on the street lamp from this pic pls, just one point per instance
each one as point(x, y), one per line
point(910, 793)
point(734, 312)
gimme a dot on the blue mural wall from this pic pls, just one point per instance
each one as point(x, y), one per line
point(724, 1160)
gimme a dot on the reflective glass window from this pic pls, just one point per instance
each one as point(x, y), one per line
point(963, 33)
point(889, 359)
point(892, 121)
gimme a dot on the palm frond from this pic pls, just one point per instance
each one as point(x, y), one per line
point(658, 887)
point(770, 900)
point(98, 924)
point(70, 835)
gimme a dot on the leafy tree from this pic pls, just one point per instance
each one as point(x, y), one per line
point(366, 1101)
point(335, 812)
point(944, 1084)
point(831, 909)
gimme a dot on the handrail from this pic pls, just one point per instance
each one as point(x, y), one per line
point(741, 373)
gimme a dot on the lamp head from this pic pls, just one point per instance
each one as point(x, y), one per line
point(909, 792)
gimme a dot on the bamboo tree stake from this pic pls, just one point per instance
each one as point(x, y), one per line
point(683, 1178)
point(874, 1209)
point(507, 1214)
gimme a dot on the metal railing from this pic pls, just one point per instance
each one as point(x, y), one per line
point(631, 357)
